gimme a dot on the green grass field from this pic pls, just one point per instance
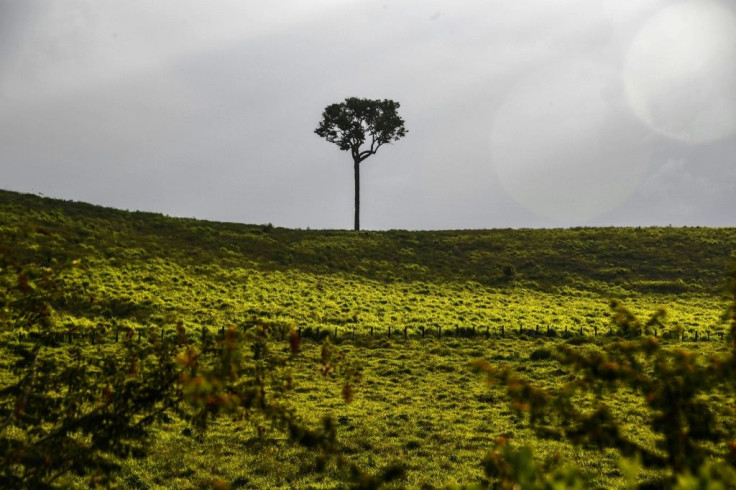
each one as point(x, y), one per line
point(410, 310)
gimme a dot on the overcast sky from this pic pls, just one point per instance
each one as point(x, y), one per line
point(530, 113)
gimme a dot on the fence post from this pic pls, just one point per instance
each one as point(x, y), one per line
point(439, 331)
point(503, 332)
point(405, 333)
point(595, 331)
point(488, 332)
point(389, 331)
point(371, 331)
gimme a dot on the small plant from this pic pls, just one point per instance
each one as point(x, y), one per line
point(541, 354)
point(509, 468)
point(509, 273)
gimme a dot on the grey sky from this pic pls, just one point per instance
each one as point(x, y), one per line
point(521, 113)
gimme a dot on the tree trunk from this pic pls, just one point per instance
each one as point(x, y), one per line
point(357, 194)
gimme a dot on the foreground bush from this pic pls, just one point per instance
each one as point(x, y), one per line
point(76, 405)
point(695, 438)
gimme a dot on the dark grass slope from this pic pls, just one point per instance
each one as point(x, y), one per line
point(647, 260)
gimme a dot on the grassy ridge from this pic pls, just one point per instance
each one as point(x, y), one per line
point(643, 260)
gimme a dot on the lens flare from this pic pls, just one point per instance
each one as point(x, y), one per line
point(680, 71)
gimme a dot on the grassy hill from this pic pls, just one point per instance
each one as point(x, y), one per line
point(645, 260)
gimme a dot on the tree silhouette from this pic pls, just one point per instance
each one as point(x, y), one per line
point(356, 121)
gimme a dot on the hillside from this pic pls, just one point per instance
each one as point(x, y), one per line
point(601, 260)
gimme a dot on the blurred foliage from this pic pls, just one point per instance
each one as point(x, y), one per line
point(691, 437)
point(81, 406)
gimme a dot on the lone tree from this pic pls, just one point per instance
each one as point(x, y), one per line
point(356, 121)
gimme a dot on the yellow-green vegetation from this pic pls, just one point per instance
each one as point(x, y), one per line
point(223, 328)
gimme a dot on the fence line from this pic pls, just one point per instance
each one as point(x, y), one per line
point(102, 335)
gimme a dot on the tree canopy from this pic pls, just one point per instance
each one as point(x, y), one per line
point(356, 121)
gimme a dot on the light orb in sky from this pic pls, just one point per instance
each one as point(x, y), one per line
point(680, 71)
point(563, 143)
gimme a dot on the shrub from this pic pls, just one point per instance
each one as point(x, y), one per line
point(79, 408)
point(541, 354)
point(673, 385)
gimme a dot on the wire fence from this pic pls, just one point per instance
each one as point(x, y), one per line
point(113, 334)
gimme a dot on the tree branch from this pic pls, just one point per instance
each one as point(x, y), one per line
point(363, 155)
